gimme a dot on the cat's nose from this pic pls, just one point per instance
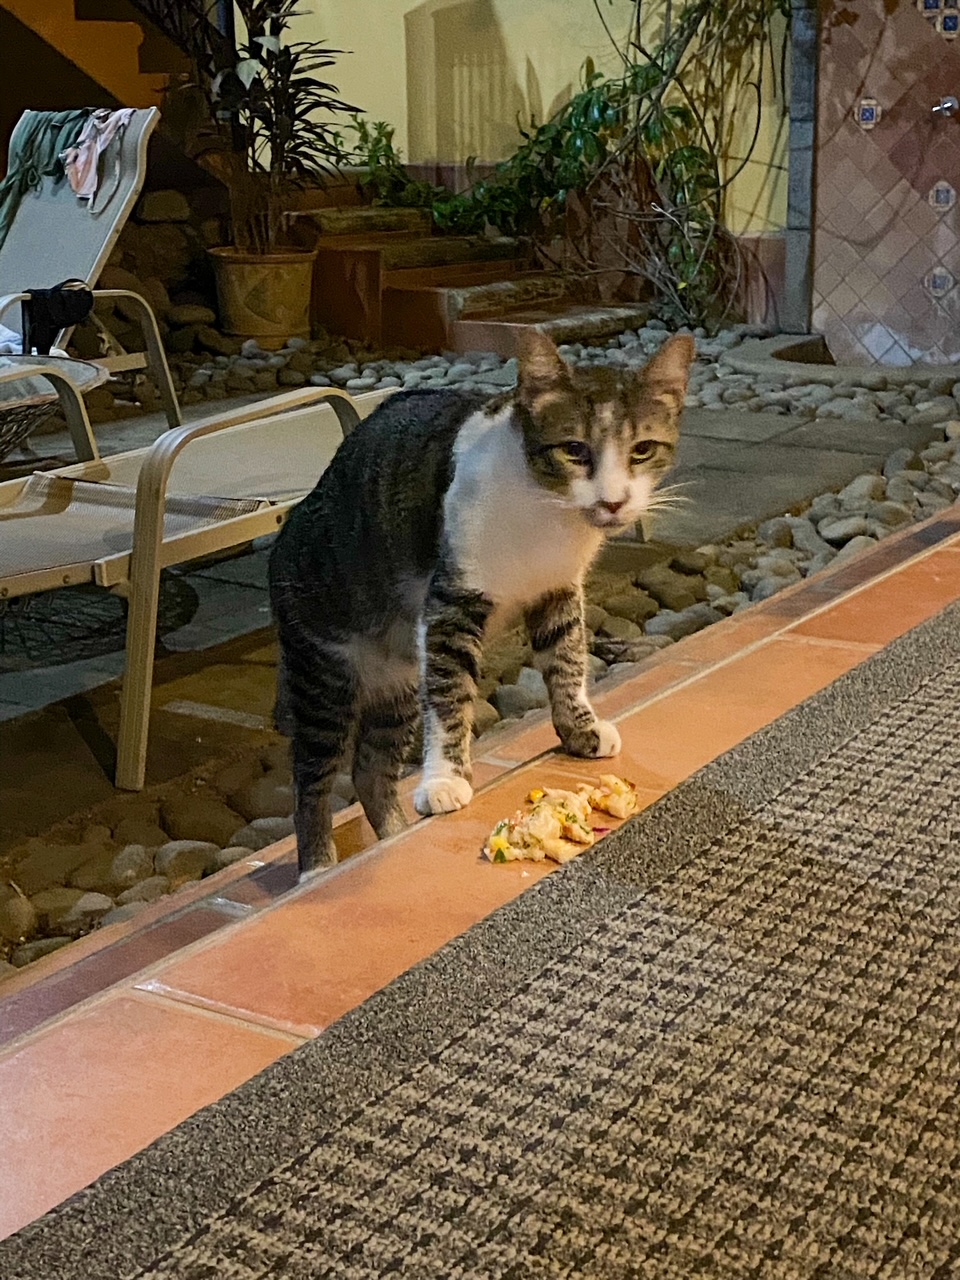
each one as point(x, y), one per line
point(613, 507)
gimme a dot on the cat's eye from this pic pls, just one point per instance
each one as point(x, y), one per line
point(643, 451)
point(576, 451)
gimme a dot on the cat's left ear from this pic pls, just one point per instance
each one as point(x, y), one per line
point(541, 365)
point(665, 376)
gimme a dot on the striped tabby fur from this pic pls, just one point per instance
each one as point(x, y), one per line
point(445, 517)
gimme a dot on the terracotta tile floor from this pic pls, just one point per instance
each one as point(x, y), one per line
point(104, 1076)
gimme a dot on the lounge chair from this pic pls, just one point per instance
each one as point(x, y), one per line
point(200, 489)
point(54, 237)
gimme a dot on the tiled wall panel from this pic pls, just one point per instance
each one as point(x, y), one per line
point(887, 244)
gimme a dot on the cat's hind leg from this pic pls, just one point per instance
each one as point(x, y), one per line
point(385, 734)
point(321, 694)
point(555, 624)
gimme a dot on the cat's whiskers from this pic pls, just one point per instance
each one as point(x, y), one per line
point(669, 498)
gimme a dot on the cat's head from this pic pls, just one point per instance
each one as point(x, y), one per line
point(601, 439)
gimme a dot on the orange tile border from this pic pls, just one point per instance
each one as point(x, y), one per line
point(88, 1092)
point(887, 607)
point(265, 982)
point(680, 664)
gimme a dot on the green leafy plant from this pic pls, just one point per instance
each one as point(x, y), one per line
point(282, 112)
point(629, 174)
point(271, 119)
point(386, 180)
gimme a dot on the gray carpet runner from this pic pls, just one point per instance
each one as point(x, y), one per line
point(724, 1044)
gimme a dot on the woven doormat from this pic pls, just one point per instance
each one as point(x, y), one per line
point(725, 1043)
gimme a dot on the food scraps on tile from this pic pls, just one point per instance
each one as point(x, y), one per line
point(558, 824)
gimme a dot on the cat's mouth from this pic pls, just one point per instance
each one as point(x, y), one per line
point(609, 521)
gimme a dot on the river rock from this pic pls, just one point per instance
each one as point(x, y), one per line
point(899, 488)
point(775, 533)
point(182, 860)
point(839, 531)
point(266, 831)
point(533, 682)
point(635, 606)
point(513, 702)
point(230, 856)
point(85, 912)
point(36, 950)
point(485, 716)
point(18, 918)
point(270, 796)
point(594, 617)
point(718, 575)
point(674, 591)
point(94, 874)
point(48, 865)
point(191, 315)
point(130, 831)
point(53, 905)
point(621, 629)
point(124, 912)
point(614, 651)
point(200, 817)
point(856, 546)
point(865, 488)
point(683, 622)
point(506, 655)
point(902, 460)
point(130, 865)
point(805, 536)
point(892, 514)
point(148, 890)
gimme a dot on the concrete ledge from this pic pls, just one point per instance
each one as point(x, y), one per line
point(804, 358)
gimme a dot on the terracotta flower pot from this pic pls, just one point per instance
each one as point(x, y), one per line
point(264, 296)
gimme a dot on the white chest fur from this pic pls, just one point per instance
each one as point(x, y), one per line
point(513, 539)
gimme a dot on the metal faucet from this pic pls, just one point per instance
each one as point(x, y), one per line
point(946, 106)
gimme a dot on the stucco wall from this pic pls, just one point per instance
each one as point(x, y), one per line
point(453, 76)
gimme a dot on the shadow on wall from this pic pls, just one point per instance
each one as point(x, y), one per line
point(463, 96)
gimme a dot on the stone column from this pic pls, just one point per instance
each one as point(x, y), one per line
point(801, 195)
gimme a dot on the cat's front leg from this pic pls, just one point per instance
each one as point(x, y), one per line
point(451, 637)
point(558, 637)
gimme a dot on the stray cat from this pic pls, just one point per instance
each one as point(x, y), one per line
point(443, 518)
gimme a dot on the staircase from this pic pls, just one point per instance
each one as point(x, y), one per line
point(106, 51)
point(382, 277)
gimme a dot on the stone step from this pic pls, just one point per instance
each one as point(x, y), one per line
point(363, 220)
point(564, 322)
point(420, 307)
point(352, 273)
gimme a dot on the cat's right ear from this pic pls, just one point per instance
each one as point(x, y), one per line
point(541, 366)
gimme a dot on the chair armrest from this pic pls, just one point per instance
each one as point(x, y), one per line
point(155, 472)
point(9, 300)
point(71, 401)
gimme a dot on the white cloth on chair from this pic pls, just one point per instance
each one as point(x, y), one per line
point(82, 161)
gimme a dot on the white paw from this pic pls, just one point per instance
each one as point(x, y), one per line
point(442, 795)
point(609, 739)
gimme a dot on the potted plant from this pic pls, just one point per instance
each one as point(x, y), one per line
point(278, 111)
